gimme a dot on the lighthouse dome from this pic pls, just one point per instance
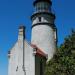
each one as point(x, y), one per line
point(48, 1)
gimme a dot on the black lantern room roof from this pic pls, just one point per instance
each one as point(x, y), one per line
point(49, 1)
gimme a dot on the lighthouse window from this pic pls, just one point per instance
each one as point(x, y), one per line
point(39, 19)
point(17, 68)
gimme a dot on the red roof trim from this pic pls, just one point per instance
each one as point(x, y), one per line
point(39, 51)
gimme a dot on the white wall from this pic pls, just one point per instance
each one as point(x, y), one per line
point(29, 59)
point(13, 60)
point(43, 34)
point(18, 57)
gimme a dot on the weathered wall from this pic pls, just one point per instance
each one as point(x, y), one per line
point(13, 60)
point(43, 34)
point(22, 60)
point(43, 37)
point(29, 59)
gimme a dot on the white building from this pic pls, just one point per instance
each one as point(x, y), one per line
point(30, 59)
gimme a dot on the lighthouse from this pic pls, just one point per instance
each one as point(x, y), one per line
point(43, 27)
point(30, 58)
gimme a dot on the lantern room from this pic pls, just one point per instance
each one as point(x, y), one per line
point(42, 5)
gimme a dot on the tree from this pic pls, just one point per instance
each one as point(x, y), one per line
point(63, 62)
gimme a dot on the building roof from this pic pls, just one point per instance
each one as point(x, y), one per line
point(49, 1)
point(39, 51)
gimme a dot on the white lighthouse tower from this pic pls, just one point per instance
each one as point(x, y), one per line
point(30, 58)
point(43, 27)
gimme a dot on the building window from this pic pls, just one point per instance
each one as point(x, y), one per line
point(39, 19)
point(17, 68)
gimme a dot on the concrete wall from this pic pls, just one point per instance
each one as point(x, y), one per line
point(29, 59)
point(22, 60)
point(13, 60)
point(43, 35)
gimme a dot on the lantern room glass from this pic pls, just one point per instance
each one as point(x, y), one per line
point(42, 7)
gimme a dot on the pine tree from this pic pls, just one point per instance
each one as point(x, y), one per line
point(63, 62)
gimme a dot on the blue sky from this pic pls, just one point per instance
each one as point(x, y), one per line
point(16, 12)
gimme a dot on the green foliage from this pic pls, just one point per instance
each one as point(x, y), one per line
point(63, 62)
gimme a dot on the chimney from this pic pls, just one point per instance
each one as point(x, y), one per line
point(21, 35)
